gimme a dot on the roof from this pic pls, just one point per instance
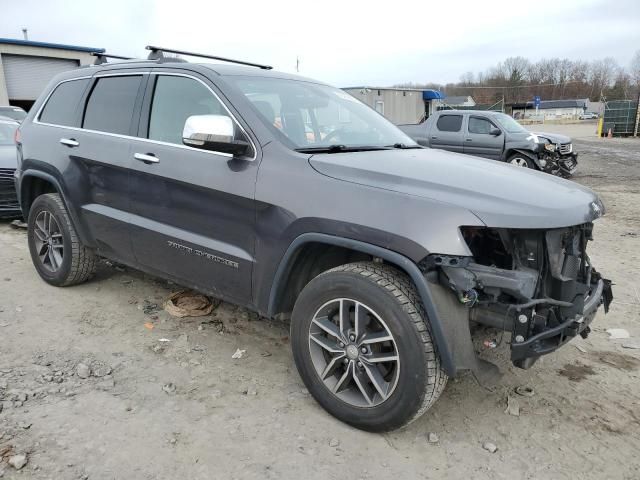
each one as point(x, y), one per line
point(577, 103)
point(456, 100)
point(59, 46)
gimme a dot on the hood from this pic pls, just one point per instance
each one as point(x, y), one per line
point(499, 194)
point(538, 137)
point(8, 156)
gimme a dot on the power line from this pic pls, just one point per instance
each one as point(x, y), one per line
point(524, 86)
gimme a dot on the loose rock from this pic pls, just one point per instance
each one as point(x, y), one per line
point(334, 442)
point(490, 447)
point(169, 388)
point(432, 438)
point(18, 461)
point(83, 370)
point(100, 369)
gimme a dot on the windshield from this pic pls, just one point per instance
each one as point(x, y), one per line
point(509, 124)
point(313, 116)
point(7, 130)
point(11, 112)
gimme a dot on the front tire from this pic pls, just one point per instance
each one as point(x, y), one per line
point(520, 160)
point(363, 347)
point(56, 251)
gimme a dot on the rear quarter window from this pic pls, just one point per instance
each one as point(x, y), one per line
point(61, 107)
point(449, 123)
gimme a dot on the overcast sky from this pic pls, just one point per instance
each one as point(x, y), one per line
point(346, 43)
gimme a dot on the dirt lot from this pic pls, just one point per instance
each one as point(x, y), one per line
point(186, 409)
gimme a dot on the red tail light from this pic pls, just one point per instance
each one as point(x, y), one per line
point(17, 137)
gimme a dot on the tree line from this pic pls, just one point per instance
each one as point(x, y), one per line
point(517, 79)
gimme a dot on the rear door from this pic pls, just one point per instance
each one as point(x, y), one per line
point(479, 141)
point(101, 157)
point(194, 210)
point(447, 132)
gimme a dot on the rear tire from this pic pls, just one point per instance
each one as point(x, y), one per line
point(379, 393)
point(56, 251)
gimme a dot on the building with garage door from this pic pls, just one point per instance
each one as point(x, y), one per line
point(26, 67)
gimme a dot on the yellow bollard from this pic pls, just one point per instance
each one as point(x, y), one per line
point(600, 125)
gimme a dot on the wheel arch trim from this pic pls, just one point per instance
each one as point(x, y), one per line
point(58, 186)
point(399, 260)
point(527, 153)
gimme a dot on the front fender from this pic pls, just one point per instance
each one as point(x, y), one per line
point(438, 328)
point(527, 153)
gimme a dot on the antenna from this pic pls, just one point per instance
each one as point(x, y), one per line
point(156, 54)
point(101, 57)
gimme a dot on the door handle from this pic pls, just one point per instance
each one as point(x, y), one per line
point(69, 142)
point(434, 137)
point(147, 158)
point(468, 139)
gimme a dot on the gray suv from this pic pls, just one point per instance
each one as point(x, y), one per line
point(496, 136)
point(292, 198)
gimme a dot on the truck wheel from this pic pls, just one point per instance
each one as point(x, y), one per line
point(56, 252)
point(520, 160)
point(363, 347)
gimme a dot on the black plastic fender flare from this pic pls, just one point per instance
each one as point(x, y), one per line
point(58, 186)
point(402, 262)
point(527, 153)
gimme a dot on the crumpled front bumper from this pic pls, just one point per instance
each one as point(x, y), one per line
point(555, 337)
point(568, 164)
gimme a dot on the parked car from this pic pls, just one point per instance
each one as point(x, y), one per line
point(16, 113)
point(9, 207)
point(382, 253)
point(588, 116)
point(496, 136)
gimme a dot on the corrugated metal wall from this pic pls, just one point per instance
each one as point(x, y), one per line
point(398, 106)
point(27, 76)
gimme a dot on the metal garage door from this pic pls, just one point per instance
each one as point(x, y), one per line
point(27, 76)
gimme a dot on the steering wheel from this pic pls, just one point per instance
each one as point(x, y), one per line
point(333, 134)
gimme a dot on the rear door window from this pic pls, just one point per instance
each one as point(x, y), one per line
point(61, 107)
point(449, 123)
point(111, 104)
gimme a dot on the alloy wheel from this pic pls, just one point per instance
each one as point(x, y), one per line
point(520, 162)
point(354, 352)
point(48, 241)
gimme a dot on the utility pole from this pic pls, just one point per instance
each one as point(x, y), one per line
point(25, 34)
point(297, 64)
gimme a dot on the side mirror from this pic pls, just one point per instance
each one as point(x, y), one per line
point(213, 132)
point(495, 131)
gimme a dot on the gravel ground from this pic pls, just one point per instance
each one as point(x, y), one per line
point(89, 389)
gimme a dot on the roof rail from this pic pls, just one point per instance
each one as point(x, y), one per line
point(102, 57)
point(157, 54)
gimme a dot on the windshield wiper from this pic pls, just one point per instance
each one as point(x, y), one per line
point(341, 148)
point(403, 146)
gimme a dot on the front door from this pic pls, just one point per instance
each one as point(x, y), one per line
point(480, 141)
point(194, 212)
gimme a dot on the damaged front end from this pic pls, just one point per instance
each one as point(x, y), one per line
point(537, 284)
point(557, 158)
